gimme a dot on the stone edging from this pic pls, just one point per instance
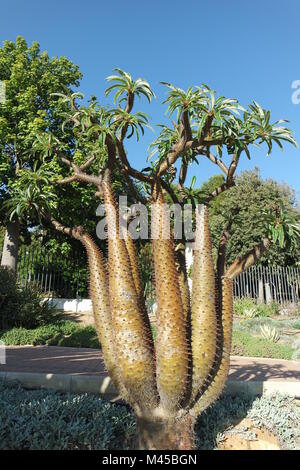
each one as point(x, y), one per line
point(102, 385)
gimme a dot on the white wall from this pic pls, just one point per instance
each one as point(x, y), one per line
point(72, 305)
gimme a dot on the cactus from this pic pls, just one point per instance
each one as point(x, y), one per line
point(170, 384)
point(132, 335)
point(171, 343)
point(204, 318)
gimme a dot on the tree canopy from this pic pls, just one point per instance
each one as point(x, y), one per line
point(247, 207)
point(31, 78)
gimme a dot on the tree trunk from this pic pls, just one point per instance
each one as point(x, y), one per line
point(11, 245)
point(158, 433)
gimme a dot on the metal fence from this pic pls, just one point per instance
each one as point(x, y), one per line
point(57, 275)
point(66, 276)
point(269, 283)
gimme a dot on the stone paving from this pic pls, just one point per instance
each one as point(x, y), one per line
point(82, 361)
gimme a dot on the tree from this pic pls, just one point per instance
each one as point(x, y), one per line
point(169, 383)
point(30, 77)
point(246, 206)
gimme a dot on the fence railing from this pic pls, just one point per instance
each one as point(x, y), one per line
point(57, 275)
point(66, 276)
point(269, 283)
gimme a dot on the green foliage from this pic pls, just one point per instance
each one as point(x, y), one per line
point(241, 306)
point(30, 77)
point(60, 333)
point(135, 123)
point(201, 102)
point(253, 324)
point(284, 227)
point(257, 123)
point(194, 99)
point(41, 420)
point(244, 344)
point(215, 119)
point(247, 206)
point(285, 328)
point(218, 120)
point(31, 194)
point(67, 268)
point(123, 84)
point(22, 306)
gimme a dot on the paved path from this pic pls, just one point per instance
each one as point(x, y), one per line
point(81, 361)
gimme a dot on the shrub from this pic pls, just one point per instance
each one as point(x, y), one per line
point(22, 307)
point(9, 298)
point(60, 333)
point(268, 310)
point(242, 307)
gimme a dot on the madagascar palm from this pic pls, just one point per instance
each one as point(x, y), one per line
point(169, 383)
point(31, 194)
point(135, 123)
point(283, 227)
point(124, 85)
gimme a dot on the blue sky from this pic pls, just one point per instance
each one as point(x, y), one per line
point(243, 49)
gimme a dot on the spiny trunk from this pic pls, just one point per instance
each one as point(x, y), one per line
point(204, 318)
point(163, 433)
point(172, 359)
point(180, 261)
point(132, 335)
point(218, 381)
point(11, 245)
point(99, 294)
point(134, 264)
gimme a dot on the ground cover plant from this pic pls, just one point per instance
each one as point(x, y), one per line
point(248, 336)
point(41, 419)
point(244, 344)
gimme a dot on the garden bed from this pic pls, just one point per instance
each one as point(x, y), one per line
point(40, 419)
point(247, 339)
point(59, 333)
